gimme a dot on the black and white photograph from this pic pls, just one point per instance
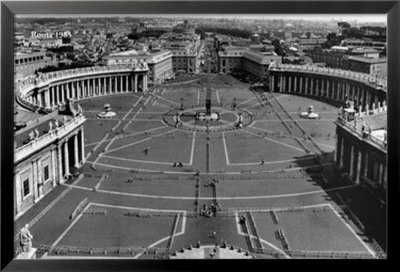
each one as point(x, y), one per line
point(200, 136)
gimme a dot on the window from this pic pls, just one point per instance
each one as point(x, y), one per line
point(46, 174)
point(26, 189)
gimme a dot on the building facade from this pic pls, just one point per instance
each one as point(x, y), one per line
point(361, 149)
point(46, 154)
point(373, 66)
point(159, 63)
point(27, 64)
point(230, 59)
point(257, 63)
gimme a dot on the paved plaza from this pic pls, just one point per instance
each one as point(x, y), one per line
point(157, 182)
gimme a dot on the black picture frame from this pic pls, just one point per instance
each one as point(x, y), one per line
point(10, 8)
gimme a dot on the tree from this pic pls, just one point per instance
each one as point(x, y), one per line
point(331, 40)
point(278, 47)
point(343, 25)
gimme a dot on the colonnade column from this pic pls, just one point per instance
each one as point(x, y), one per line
point(144, 82)
point(338, 149)
point(76, 151)
point(343, 91)
point(82, 140)
point(66, 158)
point(66, 92)
point(358, 171)
point(368, 100)
point(60, 164)
point(57, 94)
point(383, 173)
point(126, 84)
point(301, 85)
point(52, 103)
point(365, 164)
point(62, 94)
point(74, 89)
point(135, 83)
point(376, 100)
point(273, 83)
point(47, 97)
point(338, 91)
point(351, 169)
point(306, 89)
point(341, 153)
point(290, 84)
point(328, 90)
point(115, 84)
point(82, 88)
point(39, 99)
point(53, 153)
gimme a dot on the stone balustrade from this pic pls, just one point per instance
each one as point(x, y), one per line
point(357, 128)
point(47, 138)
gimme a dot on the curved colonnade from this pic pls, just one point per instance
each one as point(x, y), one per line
point(331, 84)
point(359, 154)
point(49, 91)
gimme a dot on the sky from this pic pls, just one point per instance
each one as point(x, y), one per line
point(373, 18)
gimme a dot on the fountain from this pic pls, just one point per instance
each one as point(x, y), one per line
point(107, 113)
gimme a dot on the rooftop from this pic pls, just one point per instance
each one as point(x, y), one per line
point(260, 57)
point(368, 60)
point(376, 121)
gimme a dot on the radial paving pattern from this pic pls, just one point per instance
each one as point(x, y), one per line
point(163, 180)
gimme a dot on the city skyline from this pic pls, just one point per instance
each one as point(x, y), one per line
point(372, 18)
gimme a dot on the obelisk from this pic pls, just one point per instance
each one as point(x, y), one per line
point(208, 90)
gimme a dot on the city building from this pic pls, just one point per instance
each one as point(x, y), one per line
point(159, 62)
point(257, 63)
point(363, 43)
point(365, 60)
point(309, 41)
point(373, 66)
point(230, 59)
point(26, 64)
